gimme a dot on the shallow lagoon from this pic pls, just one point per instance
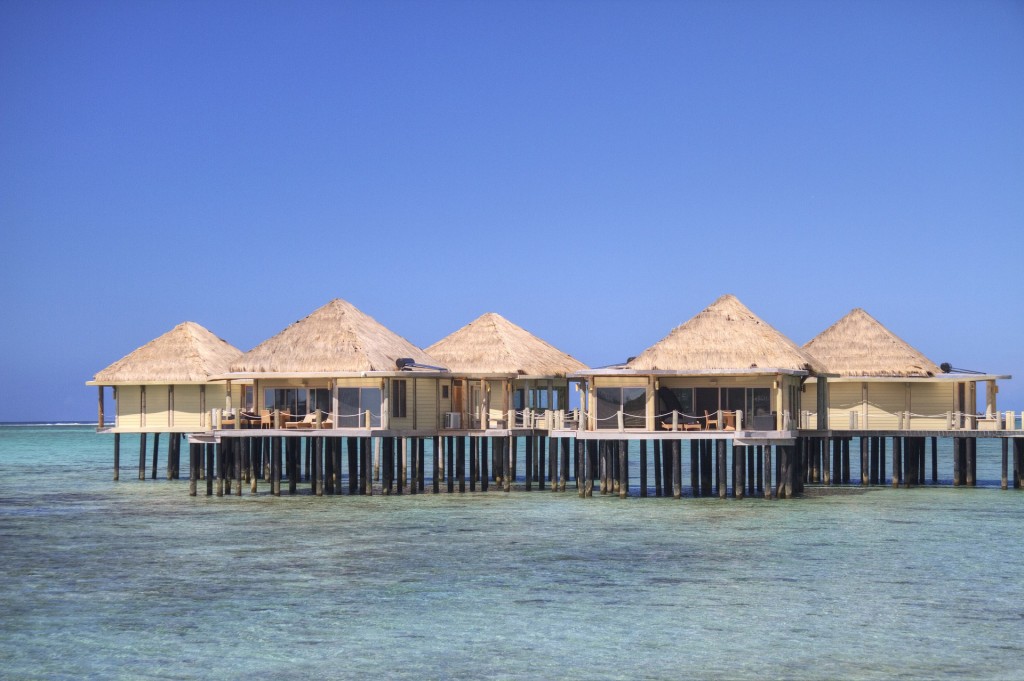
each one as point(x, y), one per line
point(138, 580)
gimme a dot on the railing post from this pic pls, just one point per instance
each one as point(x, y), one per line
point(739, 419)
point(317, 419)
point(622, 421)
point(675, 420)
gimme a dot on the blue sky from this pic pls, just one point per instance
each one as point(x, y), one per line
point(597, 172)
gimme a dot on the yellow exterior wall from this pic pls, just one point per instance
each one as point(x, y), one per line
point(186, 408)
point(844, 397)
point(809, 403)
point(426, 403)
point(885, 401)
point(129, 406)
point(932, 400)
point(157, 415)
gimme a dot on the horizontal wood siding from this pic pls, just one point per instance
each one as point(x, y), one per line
point(129, 406)
point(216, 397)
point(186, 407)
point(157, 416)
point(885, 400)
point(809, 403)
point(426, 402)
point(842, 399)
point(933, 400)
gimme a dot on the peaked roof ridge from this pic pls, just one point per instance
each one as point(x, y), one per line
point(724, 336)
point(188, 353)
point(860, 345)
point(337, 336)
point(493, 344)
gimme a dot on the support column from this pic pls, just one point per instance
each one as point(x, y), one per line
point(643, 468)
point(739, 457)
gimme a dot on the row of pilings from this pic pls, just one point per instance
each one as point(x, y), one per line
point(827, 460)
point(414, 465)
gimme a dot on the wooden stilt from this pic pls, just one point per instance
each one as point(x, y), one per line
point(766, 484)
point(172, 438)
point(206, 466)
point(590, 468)
point(935, 459)
point(435, 479)
point(643, 468)
point(193, 468)
point(623, 469)
point(580, 467)
point(460, 450)
point(1018, 461)
point(541, 454)
point(529, 462)
point(677, 472)
point(722, 451)
point(563, 469)
point(117, 456)
point(473, 471)
point(484, 476)
point(759, 459)
point(695, 468)
point(881, 460)
point(739, 457)
point(972, 461)
point(658, 470)
point(897, 460)
point(236, 450)
point(218, 484)
point(156, 454)
point(508, 462)
point(706, 468)
point(142, 456)
point(957, 461)
point(275, 466)
point(1004, 480)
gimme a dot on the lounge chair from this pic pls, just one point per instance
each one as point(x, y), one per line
point(308, 421)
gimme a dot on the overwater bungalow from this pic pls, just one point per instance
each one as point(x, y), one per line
point(165, 386)
point(880, 382)
point(339, 368)
point(724, 370)
point(502, 376)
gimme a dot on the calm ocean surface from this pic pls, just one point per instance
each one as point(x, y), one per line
point(138, 580)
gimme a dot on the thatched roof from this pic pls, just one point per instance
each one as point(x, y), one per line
point(492, 344)
point(336, 337)
point(188, 353)
point(725, 336)
point(858, 345)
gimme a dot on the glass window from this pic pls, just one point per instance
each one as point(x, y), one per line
point(632, 402)
point(353, 403)
point(398, 402)
point(297, 401)
point(292, 400)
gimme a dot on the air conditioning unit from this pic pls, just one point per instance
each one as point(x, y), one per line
point(452, 420)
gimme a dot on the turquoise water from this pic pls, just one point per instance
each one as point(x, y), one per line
point(138, 580)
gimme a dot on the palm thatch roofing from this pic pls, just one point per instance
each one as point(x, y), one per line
point(188, 353)
point(725, 336)
point(859, 345)
point(337, 337)
point(492, 344)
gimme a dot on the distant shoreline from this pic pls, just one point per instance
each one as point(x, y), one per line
point(48, 423)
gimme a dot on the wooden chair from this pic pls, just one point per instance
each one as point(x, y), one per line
point(265, 418)
point(708, 420)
